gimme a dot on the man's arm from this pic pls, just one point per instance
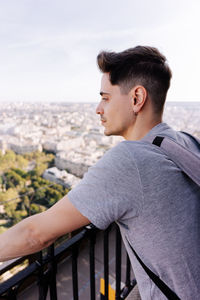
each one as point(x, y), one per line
point(39, 231)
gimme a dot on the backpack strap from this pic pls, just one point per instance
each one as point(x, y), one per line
point(186, 160)
point(171, 295)
point(194, 138)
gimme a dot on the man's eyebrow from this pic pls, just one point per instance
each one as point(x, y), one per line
point(104, 93)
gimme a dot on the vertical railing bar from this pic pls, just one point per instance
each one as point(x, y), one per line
point(118, 263)
point(106, 265)
point(128, 271)
point(12, 294)
point(43, 287)
point(74, 272)
point(53, 270)
point(92, 266)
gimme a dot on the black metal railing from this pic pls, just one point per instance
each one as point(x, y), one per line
point(44, 268)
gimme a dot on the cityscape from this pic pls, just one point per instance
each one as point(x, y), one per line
point(73, 133)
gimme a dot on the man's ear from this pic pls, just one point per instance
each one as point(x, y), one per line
point(139, 96)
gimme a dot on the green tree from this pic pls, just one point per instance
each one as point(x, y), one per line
point(9, 156)
point(13, 179)
point(36, 208)
point(7, 160)
point(20, 172)
point(40, 168)
point(9, 194)
point(10, 208)
point(18, 216)
point(40, 196)
point(21, 162)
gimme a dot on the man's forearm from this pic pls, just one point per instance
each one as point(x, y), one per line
point(39, 231)
point(21, 239)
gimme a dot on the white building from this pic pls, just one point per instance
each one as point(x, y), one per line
point(3, 146)
point(21, 148)
point(66, 144)
point(60, 177)
point(73, 162)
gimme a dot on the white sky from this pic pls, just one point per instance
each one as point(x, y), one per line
point(48, 48)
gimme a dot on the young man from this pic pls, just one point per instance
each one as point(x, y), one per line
point(135, 184)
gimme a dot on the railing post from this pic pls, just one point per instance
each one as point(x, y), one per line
point(12, 294)
point(128, 271)
point(53, 270)
point(118, 263)
point(92, 237)
point(74, 272)
point(42, 284)
point(106, 263)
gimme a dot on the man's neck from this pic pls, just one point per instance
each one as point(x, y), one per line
point(141, 127)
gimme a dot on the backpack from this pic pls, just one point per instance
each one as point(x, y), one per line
point(189, 163)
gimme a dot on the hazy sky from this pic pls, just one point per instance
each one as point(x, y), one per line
point(48, 48)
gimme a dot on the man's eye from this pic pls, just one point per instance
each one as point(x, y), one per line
point(104, 99)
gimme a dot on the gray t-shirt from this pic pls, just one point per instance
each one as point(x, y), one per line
point(156, 206)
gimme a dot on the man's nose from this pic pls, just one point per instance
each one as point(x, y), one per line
point(99, 109)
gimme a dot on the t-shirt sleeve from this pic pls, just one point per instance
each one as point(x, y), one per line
point(110, 190)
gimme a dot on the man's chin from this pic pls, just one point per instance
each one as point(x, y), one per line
point(109, 133)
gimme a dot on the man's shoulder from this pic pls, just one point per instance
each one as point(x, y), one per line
point(116, 156)
point(143, 149)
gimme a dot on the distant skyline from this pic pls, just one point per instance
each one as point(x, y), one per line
point(48, 48)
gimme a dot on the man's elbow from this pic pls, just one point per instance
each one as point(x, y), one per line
point(35, 237)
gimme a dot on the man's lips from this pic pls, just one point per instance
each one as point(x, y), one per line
point(103, 121)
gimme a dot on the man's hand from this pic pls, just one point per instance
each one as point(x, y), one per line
point(39, 231)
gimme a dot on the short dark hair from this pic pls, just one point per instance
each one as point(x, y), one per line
point(141, 65)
